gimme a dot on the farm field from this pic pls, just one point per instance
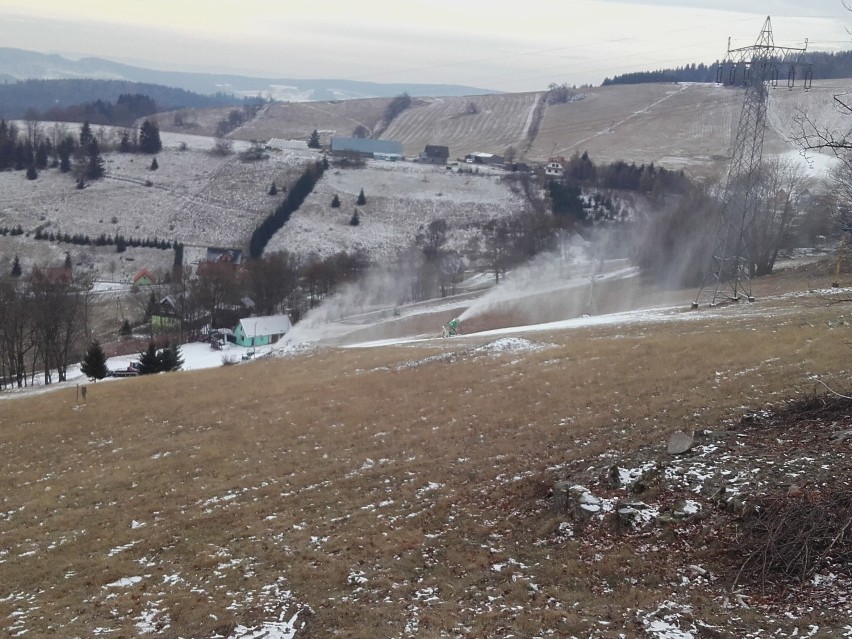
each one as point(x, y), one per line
point(402, 199)
point(409, 489)
point(678, 126)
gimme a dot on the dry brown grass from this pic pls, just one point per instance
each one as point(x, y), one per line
point(417, 472)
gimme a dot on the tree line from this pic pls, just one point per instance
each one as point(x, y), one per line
point(295, 196)
point(75, 99)
point(43, 325)
point(823, 65)
point(35, 148)
point(219, 294)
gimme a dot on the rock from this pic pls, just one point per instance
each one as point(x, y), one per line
point(575, 500)
point(686, 508)
point(629, 514)
point(680, 442)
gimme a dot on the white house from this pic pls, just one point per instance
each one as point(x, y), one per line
point(260, 331)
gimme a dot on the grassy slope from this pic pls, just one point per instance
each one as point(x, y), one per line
point(675, 126)
point(423, 469)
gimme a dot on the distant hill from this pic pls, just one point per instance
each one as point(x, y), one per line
point(45, 95)
point(29, 65)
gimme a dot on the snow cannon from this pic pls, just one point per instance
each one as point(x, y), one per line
point(451, 328)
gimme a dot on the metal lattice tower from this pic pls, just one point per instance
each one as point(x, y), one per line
point(728, 277)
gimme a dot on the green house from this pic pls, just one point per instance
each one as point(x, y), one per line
point(260, 331)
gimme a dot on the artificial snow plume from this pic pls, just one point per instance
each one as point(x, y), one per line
point(371, 298)
point(572, 271)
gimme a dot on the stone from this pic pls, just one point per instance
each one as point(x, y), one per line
point(680, 442)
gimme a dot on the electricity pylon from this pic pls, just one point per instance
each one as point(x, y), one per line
point(728, 277)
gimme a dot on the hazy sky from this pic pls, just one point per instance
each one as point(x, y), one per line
point(506, 45)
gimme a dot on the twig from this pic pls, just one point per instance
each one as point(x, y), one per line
point(832, 391)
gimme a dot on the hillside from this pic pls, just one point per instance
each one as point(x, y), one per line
point(201, 200)
point(686, 126)
point(416, 488)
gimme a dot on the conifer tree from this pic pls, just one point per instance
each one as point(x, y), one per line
point(32, 174)
point(16, 267)
point(149, 138)
point(170, 358)
point(362, 199)
point(86, 136)
point(149, 363)
point(125, 330)
point(273, 190)
point(94, 365)
point(95, 165)
point(354, 220)
point(154, 164)
point(314, 142)
point(335, 202)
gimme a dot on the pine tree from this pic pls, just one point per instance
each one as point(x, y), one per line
point(94, 365)
point(335, 202)
point(354, 220)
point(125, 330)
point(16, 267)
point(314, 142)
point(149, 363)
point(170, 358)
point(273, 190)
point(362, 199)
point(154, 164)
point(149, 138)
point(32, 174)
point(95, 166)
point(86, 136)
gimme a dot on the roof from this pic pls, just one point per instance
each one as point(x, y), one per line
point(265, 325)
point(144, 273)
point(295, 145)
point(363, 145)
point(232, 255)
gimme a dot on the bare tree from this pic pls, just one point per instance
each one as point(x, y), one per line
point(780, 184)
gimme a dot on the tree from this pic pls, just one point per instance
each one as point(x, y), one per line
point(125, 330)
point(149, 138)
point(94, 365)
point(779, 185)
point(361, 132)
point(335, 202)
point(270, 280)
point(154, 164)
point(354, 220)
point(314, 141)
point(170, 358)
point(86, 135)
point(32, 174)
point(16, 267)
point(273, 190)
point(362, 199)
point(149, 363)
point(95, 165)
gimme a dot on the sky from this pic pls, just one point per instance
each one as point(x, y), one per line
point(508, 46)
